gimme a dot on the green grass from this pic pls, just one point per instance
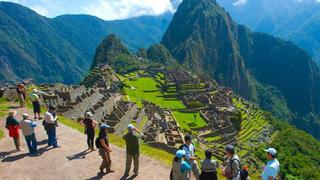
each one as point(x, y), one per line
point(187, 121)
point(141, 91)
point(146, 89)
point(4, 108)
point(158, 154)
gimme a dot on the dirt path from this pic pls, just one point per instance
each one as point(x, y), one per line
point(71, 161)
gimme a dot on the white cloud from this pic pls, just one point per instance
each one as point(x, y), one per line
point(240, 2)
point(40, 10)
point(121, 9)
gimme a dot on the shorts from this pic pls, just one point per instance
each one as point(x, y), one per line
point(36, 107)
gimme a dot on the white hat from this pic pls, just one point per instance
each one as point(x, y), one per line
point(130, 128)
point(88, 114)
point(25, 115)
point(271, 151)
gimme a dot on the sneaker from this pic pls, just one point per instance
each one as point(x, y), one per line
point(110, 171)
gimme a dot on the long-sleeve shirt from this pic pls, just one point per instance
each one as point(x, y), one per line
point(49, 118)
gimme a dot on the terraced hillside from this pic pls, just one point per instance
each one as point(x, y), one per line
point(185, 98)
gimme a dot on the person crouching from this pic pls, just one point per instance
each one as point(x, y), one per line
point(105, 150)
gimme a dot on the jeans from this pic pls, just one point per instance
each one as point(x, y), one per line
point(52, 139)
point(90, 139)
point(32, 143)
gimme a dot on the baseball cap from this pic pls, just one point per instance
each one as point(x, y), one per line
point(180, 153)
point(88, 115)
point(271, 151)
point(104, 126)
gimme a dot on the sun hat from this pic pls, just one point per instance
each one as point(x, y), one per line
point(271, 151)
point(130, 128)
point(88, 115)
point(25, 115)
point(104, 126)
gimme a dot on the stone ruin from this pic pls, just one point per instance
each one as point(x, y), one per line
point(74, 101)
point(162, 130)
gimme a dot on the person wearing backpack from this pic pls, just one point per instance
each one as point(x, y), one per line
point(208, 167)
point(191, 159)
point(105, 150)
point(180, 168)
point(232, 169)
point(89, 125)
point(272, 168)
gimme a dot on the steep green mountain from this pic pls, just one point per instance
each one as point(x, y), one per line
point(298, 21)
point(202, 36)
point(160, 54)
point(61, 49)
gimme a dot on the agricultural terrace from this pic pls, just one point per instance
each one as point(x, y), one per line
point(138, 88)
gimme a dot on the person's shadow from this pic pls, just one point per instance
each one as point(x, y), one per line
point(14, 158)
point(80, 155)
point(5, 154)
point(128, 178)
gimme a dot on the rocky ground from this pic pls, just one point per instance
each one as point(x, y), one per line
point(70, 161)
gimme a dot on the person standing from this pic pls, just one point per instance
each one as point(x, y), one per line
point(105, 150)
point(180, 168)
point(208, 167)
point(191, 159)
point(12, 124)
point(272, 168)
point(35, 103)
point(132, 148)
point(27, 127)
point(21, 94)
point(89, 125)
point(232, 169)
point(50, 123)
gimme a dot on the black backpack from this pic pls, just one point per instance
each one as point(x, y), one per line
point(244, 174)
point(98, 144)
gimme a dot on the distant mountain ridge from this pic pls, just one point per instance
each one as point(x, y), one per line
point(61, 49)
point(295, 20)
point(203, 37)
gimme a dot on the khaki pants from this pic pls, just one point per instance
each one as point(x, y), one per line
point(106, 163)
point(135, 159)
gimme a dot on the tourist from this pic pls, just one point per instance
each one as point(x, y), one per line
point(190, 155)
point(272, 168)
point(12, 124)
point(132, 144)
point(27, 127)
point(180, 168)
point(21, 94)
point(50, 123)
point(232, 169)
point(35, 103)
point(89, 125)
point(105, 150)
point(208, 167)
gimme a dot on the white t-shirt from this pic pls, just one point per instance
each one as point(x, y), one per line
point(272, 169)
point(189, 151)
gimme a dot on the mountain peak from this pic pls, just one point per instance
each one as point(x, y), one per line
point(110, 47)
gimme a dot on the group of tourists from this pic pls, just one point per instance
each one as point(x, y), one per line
point(184, 164)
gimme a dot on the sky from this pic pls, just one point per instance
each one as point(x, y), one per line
point(104, 9)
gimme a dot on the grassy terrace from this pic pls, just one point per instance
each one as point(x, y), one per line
point(146, 88)
point(3, 112)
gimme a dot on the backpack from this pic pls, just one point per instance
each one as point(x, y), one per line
point(98, 144)
point(244, 174)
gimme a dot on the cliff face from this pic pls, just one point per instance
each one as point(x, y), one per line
point(202, 37)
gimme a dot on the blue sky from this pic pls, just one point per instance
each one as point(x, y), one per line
point(104, 9)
